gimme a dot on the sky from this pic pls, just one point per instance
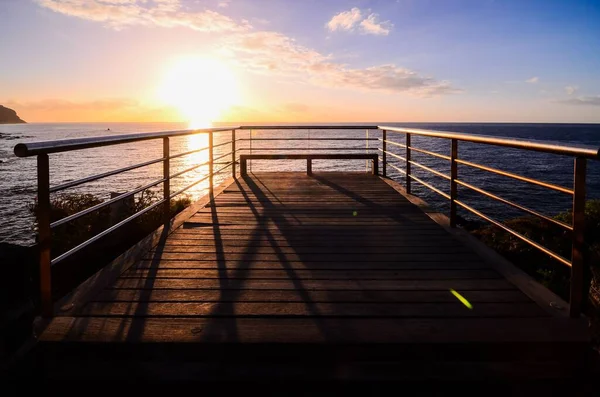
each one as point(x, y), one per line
point(203, 61)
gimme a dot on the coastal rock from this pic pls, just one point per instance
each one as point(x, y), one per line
point(9, 116)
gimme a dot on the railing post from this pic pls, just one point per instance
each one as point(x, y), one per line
point(309, 167)
point(384, 156)
point(367, 150)
point(408, 187)
point(233, 153)
point(578, 289)
point(243, 166)
point(44, 234)
point(250, 151)
point(210, 163)
point(453, 186)
point(167, 183)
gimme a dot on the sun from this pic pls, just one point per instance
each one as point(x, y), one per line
point(200, 88)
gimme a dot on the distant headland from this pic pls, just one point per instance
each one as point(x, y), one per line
point(9, 116)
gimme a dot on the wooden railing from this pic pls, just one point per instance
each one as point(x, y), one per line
point(43, 149)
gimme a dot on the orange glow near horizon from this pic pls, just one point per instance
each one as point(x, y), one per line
point(201, 89)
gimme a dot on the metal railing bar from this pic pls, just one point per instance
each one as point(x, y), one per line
point(392, 143)
point(66, 145)
point(547, 147)
point(222, 144)
point(306, 127)
point(441, 156)
point(438, 191)
point(515, 205)
point(516, 176)
point(189, 169)
point(104, 233)
point(515, 233)
point(92, 178)
point(103, 204)
point(440, 174)
point(392, 154)
point(291, 148)
point(189, 186)
point(186, 153)
point(310, 139)
point(225, 155)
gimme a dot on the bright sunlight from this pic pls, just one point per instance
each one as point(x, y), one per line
point(200, 88)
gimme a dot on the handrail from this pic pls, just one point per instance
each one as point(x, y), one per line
point(538, 146)
point(67, 145)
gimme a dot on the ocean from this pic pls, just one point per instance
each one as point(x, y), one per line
point(18, 175)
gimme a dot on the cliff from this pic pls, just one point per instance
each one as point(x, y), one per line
point(9, 116)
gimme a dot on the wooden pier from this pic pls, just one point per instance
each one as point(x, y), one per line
point(310, 276)
point(327, 276)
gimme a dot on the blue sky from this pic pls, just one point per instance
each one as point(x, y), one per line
point(328, 60)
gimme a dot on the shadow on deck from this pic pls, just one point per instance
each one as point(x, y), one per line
point(330, 276)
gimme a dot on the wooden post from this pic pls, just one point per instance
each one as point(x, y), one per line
point(375, 165)
point(44, 234)
point(210, 163)
point(384, 155)
point(309, 167)
point(578, 288)
point(167, 182)
point(233, 153)
point(408, 187)
point(250, 152)
point(453, 186)
point(243, 166)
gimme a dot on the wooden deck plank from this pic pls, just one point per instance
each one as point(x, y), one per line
point(134, 295)
point(302, 265)
point(315, 274)
point(324, 285)
point(310, 309)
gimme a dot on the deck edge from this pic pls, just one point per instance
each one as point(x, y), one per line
point(524, 282)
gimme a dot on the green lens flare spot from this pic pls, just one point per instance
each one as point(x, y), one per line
point(462, 299)
point(354, 213)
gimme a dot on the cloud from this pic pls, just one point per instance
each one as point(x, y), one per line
point(367, 23)
point(120, 14)
point(372, 26)
point(275, 52)
point(583, 101)
point(533, 80)
point(345, 20)
point(263, 51)
point(223, 3)
point(571, 89)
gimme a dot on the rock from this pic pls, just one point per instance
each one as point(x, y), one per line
point(9, 116)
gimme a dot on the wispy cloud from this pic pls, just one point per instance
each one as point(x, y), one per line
point(571, 89)
point(583, 101)
point(119, 14)
point(533, 80)
point(364, 22)
point(346, 20)
point(275, 52)
point(263, 51)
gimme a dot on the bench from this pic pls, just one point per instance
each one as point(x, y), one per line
point(309, 158)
